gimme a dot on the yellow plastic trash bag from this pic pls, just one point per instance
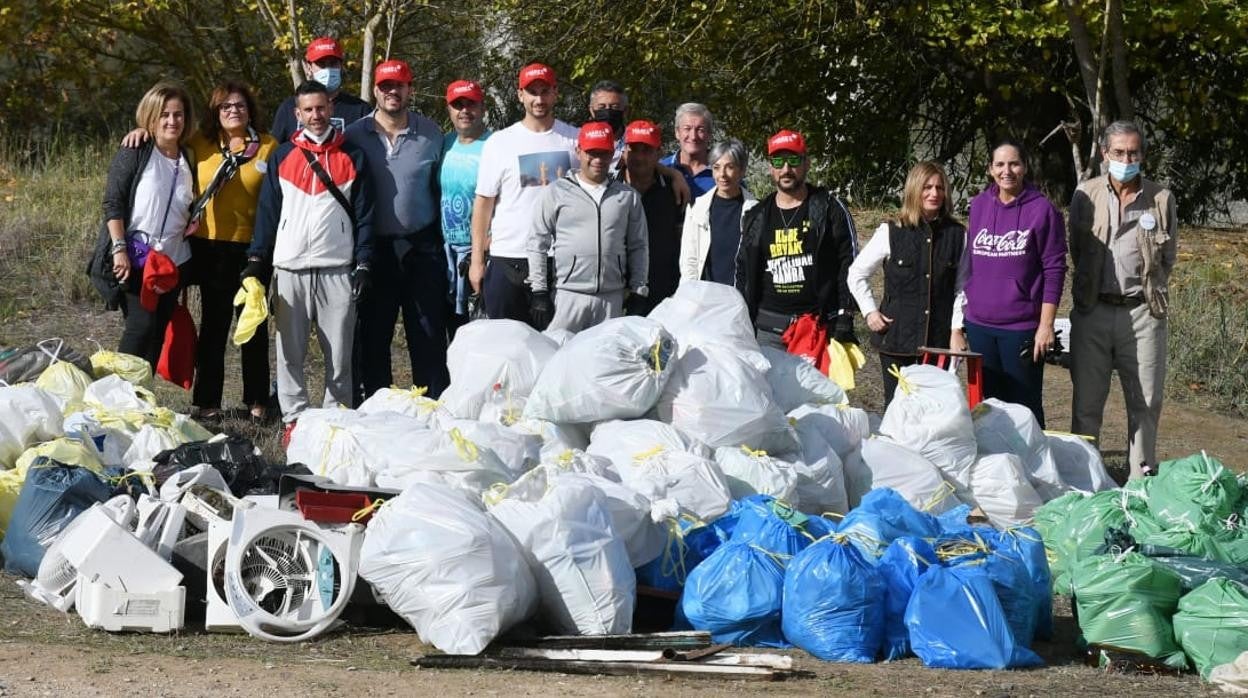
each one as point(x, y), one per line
point(131, 368)
point(66, 382)
point(10, 486)
point(255, 310)
point(844, 359)
point(63, 450)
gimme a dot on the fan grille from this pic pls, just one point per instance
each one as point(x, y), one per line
point(277, 573)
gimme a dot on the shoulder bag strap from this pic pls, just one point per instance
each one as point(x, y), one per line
point(329, 184)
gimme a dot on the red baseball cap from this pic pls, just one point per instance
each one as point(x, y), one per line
point(786, 141)
point(642, 131)
point(464, 89)
point(392, 70)
point(596, 135)
point(160, 275)
point(533, 72)
point(323, 47)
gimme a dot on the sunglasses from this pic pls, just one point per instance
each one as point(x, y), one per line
point(779, 161)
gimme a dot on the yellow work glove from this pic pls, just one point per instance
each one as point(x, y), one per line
point(255, 309)
point(844, 359)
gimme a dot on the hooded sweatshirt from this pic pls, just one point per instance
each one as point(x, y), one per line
point(1015, 259)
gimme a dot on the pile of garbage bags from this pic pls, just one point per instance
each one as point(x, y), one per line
point(1159, 568)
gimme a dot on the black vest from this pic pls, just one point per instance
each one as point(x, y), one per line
point(920, 280)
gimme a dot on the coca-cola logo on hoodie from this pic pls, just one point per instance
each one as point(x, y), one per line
point(1012, 243)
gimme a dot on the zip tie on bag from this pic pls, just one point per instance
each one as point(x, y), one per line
point(1085, 437)
point(495, 494)
point(670, 566)
point(146, 478)
point(941, 494)
point(325, 450)
point(374, 506)
point(464, 448)
point(564, 461)
point(902, 382)
point(780, 558)
point(647, 455)
point(753, 453)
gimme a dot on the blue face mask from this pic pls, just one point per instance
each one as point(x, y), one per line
point(331, 78)
point(1124, 171)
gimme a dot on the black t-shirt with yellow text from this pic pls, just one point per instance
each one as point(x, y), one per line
point(788, 262)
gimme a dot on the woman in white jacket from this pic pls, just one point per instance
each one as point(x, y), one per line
point(712, 230)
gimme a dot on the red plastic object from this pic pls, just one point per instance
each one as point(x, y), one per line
point(332, 507)
point(974, 369)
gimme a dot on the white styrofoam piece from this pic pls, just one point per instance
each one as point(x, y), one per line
point(104, 552)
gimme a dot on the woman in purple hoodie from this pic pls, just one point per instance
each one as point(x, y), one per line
point(1011, 276)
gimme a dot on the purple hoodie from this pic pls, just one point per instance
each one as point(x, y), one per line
point(1015, 257)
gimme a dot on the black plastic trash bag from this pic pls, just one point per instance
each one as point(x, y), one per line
point(52, 496)
point(24, 364)
point(244, 469)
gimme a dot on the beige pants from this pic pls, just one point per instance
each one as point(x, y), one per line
point(1132, 342)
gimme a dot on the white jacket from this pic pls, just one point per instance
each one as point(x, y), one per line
point(695, 238)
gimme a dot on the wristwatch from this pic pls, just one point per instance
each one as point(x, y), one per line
point(643, 291)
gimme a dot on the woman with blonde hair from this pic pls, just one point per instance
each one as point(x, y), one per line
point(919, 251)
point(147, 202)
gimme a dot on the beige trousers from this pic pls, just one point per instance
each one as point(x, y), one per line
point(1132, 342)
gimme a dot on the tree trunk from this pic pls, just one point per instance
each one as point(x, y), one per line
point(293, 64)
point(1088, 67)
point(1118, 52)
point(366, 54)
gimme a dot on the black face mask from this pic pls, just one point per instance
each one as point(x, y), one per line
point(613, 118)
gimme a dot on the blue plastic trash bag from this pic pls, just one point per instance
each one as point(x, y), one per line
point(776, 526)
point(687, 546)
point(905, 560)
point(736, 595)
point(52, 496)
point(956, 622)
point(834, 603)
point(954, 520)
point(1009, 577)
point(1027, 544)
point(882, 517)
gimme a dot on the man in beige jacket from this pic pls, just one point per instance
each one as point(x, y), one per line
point(1123, 237)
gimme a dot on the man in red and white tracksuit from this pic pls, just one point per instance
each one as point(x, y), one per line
point(319, 247)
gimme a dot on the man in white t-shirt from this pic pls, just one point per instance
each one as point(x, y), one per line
point(516, 165)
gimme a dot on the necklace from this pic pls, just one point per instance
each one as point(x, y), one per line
point(787, 221)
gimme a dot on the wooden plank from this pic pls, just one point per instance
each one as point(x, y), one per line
point(638, 641)
point(690, 669)
point(768, 661)
point(691, 655)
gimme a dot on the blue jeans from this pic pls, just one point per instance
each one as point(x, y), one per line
point(1007, 376)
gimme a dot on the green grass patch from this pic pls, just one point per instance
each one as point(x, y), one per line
point(1208, 335)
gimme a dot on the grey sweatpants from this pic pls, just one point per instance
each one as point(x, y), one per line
point(575, 312)
point(1132, 342)
point(301, 299)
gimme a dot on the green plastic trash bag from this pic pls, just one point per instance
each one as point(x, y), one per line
point(1081, 533)
point(1194, 493)
point(1125, 602)
point(1053, 513)
point(1212, 623)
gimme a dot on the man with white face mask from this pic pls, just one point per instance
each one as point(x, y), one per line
point(1123, 237)
point(322, 62)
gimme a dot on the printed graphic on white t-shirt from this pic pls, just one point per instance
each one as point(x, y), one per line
point(540, 169)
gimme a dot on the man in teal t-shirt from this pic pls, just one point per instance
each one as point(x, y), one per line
point(461, 154)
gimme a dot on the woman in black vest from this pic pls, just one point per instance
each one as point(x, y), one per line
point(920, 251)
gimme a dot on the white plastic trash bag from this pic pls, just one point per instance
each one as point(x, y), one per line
point(717, 397)
point(795, 381)
point(1079, 463)
point(1005, 427)
point(434, 456)
point(620, 441)
point(703, 314)
point(518, 451)
point(748, 472)
point(334, 443)
point(929, 415)
point(614, 370)
point(448, 568)
point(582, 566)
point(842, 427)
point(116, 394)
point(557, 439)
point(485, 353)
point(411, 402)
point(695, 485)
point(1000, 487)
point(28, 415)
point(822, 482)
point(912, 475)
point(65, 382)
point(150, 440)
point(576, 461)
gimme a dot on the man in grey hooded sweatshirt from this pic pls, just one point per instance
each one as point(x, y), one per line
point(596, 228)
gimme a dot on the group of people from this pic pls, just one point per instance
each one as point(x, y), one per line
point(351, 214)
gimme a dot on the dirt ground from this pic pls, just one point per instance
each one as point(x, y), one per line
point(45, 653)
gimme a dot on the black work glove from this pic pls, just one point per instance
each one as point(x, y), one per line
point(636, 305)
point(541, 309)
point(843, 329)
point(255, 268)
point(361, 282)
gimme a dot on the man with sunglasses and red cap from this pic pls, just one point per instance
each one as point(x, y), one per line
point(403, 151)
point(594, 229)
point(322, 62)
point(517, 163)
point(796, 248)
point(461, 158)
point(642, 141)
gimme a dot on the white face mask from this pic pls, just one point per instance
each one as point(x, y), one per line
point(319, 140)
point(331, 78)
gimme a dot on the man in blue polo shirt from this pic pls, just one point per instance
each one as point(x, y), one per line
point(404, 151)
point(695, 127)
